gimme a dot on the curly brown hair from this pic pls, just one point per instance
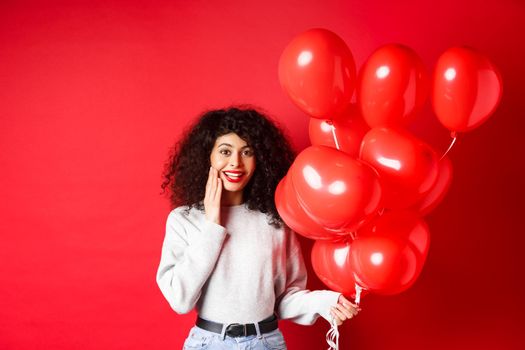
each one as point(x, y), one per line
point(186, 171)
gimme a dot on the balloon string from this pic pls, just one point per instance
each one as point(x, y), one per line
point(358, 290)
point(333, 133)
point(454, 138)
point(332, 336)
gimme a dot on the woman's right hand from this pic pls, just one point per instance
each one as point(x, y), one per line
point(212, 198)
point(344, 310)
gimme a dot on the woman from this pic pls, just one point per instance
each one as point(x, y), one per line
point(227, 252)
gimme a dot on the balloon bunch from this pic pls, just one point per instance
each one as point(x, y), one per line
point(363, 187)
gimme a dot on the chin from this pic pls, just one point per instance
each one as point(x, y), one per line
point(233, 188)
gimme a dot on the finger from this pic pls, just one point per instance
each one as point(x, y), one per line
point(354, 311)
point(346, 311)
point(346, 302)
point(208, 184)
point(217, 194)
point(339, 314)
point(219, 190)
point(350, 307)
point(213, 184)
point(336, 319)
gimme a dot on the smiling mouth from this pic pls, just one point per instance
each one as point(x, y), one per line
point(233, 177)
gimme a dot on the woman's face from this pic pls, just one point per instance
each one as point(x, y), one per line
point(234, 160)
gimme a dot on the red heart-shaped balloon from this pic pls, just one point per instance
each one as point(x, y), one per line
point(436, 194)
point(331, 263)
point(384, 265)
point(407, 166)
point(350, 128)
point(404, 225)
point(294, 216)
point(337, 191)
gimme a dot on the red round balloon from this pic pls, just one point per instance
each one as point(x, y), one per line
point(317, 71)
point(294, 216)
point(384, 265)
point(407, 167)
point(337, 191)
point(467, 89)
point(350, 128)
point(392, 86)
point(331, 263)
point(436, 194)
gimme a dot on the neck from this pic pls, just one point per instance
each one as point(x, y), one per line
point(229, 199)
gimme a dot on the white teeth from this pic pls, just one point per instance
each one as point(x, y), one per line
point(232, 174)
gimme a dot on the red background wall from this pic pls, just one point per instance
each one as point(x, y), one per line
point(93, 93)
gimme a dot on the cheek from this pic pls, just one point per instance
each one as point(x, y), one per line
point(251, 165)
point(217, 162)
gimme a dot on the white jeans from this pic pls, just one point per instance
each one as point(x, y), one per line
point(203, 339)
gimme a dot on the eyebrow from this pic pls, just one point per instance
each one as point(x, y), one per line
point(227, 144)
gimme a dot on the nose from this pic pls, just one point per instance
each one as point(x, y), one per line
point(235, 159)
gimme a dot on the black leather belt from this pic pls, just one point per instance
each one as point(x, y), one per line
point(239, 330)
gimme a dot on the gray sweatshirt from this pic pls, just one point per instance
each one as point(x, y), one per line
point(240, 272)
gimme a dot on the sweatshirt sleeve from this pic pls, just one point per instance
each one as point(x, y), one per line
point(296, 303)
point(189, 255)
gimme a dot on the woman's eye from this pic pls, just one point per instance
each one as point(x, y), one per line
point(248, 153)
point(224, 152)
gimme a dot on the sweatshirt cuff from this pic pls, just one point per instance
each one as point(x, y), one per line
point(328, 299)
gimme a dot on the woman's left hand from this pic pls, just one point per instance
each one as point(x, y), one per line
point(344, 310)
